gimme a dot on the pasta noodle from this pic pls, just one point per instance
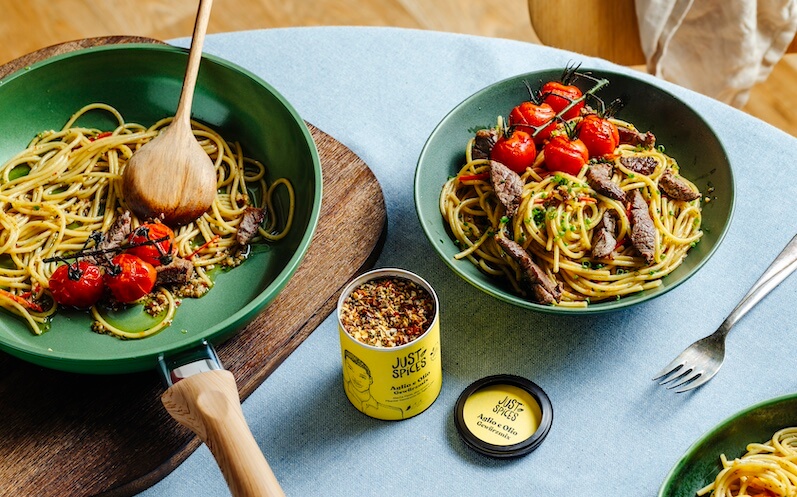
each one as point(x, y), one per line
point(67, 185)
point(766, 470)
point(557, 222)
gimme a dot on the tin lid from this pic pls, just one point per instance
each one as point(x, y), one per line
point(503, 416)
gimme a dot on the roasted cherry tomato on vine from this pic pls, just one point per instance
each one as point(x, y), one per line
point(78, 284)
point(152, 252)
point(529, 115)
point(565, 154)
point(516, 150)
point(598, 134)
point(559, 96)
point(129, 278)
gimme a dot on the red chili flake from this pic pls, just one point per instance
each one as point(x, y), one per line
point(104, 134)
point(387, 312)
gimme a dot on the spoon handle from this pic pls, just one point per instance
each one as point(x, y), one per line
point(183, 114)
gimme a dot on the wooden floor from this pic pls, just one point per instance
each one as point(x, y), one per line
point(27, 25)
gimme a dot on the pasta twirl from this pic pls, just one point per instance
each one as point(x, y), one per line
point(767, 469)
point(558, 220)
point(67, 185)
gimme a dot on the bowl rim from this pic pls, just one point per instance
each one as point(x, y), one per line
point(716, 429)
point(505, 295)
point(139, 361)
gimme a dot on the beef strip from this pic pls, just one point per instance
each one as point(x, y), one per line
point(545, 289)
point(629, 136)
point(252, 218)
point(483, 143)
point(643, 231)
point(599, 177)
point(116, 235)
point(507, 185)
point(603, 242)
point(676, 188)
point(179, 271)
point(641, 165)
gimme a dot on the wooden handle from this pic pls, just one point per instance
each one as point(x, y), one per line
point(209, 405)
point(183, 113)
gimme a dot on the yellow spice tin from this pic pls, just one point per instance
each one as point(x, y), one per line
point(391, 382)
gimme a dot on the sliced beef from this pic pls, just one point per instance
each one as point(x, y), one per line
point(629, 136)
point(483, 143)
point(643, 231)
point(676, 188)
point(604, 242)
point(543, 287)
point(252, 218)
point(118, 232)
point(640, 164)
point(116, 235)
point(507, 185)
point(179, 271)
point(599, 177)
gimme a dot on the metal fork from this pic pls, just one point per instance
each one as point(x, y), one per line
point(701, 360)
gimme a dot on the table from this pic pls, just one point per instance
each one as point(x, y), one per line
point(381, 91)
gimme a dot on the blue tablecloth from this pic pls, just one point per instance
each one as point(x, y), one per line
point(381, 91)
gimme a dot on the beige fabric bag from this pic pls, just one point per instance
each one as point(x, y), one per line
point(720, 48)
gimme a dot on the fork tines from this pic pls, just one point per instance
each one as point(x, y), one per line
point(676, 374)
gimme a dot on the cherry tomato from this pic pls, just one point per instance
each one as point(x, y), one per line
point(130, 278)
point(565, 154)
point(531, 114)
point(599, 135)
point(516, 151)
point(78, 284)
point(151, 253)
point(559, 96)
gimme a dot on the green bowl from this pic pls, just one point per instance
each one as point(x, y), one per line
point(143, 82)
point(686, 136)
point(701, 463)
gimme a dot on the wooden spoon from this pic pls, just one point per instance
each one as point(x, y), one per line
point(172, 176)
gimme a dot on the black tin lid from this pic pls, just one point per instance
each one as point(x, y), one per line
point(503, 416)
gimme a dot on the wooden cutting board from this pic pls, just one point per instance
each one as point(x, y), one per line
point(77, 435)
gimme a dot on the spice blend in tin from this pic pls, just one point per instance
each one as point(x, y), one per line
point(387, 312)
point(389, 329)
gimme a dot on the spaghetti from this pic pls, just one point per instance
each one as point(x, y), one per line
point(766, 469)
point(66, 185)
point(558, 221)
